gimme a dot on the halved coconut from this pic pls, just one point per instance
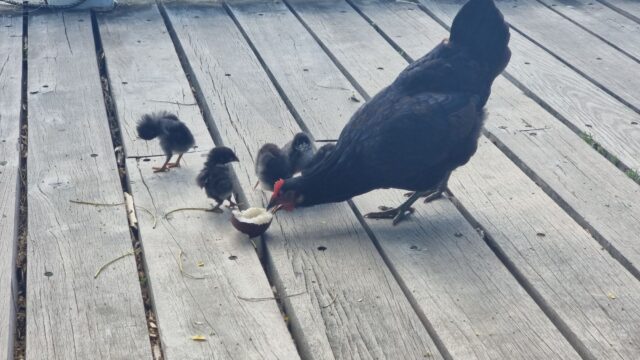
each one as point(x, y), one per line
point(253, 221)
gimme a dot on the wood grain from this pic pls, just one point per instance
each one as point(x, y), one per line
point(71, 315)
point(351, 306)
point(231, 271)
point(590, 55)
point(519, 216)
point(10, 88)
point(602, 21)
point(146, 76)
point(215, 299)
point(580, 103)
point(630, 8)
point(432, 256)
point(588, 184)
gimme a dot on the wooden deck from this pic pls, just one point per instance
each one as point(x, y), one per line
point(536, 255)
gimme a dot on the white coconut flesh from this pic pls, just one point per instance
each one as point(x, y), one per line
point(258, 216)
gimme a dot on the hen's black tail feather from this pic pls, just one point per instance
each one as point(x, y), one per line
point(480, 27)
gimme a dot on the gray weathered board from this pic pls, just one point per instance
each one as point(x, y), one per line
point(222, 305)
point(580, 103)
point(341, 299)
point(463, 300)
point(222, 293)
point(544, 246)
point(620, 31)
point(10, 89)
point(146, 76)
point(603, 198)
point(71, 314)
point(629, 8)
point(588, 54)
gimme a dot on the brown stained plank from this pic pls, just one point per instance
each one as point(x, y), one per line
point(453, 276)
point(146, 76)
point(585, 52)
point(601, 20)
point(582, 104)
point(71, 315)
point(351, 306)
point(10, 88)
point(541, 241)
point(231, 302)
point(186, 307)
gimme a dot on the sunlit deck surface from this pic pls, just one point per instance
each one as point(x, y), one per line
point(534, 255)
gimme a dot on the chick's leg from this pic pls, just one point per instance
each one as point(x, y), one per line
point(164, 166)
point(175, 164)
point(398, 213)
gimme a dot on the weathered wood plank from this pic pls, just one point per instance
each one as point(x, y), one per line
point(580, 103)
point(71, 314)
point(10, 89)
point(350, 306)
point(574, 174)
point(601, 20)
point(630, 8)
point(541, 241)
point(431, 254)
point(146, 76)
point(588, 54)
point(230, 302)
point(213, 306)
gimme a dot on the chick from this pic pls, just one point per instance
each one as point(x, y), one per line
point(299, 151)
point(215, 177)
point(320, 155)
point(272, 164)
point(175, 136)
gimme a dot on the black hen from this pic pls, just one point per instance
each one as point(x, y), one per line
point(175, 136)
point(299, 151)
point(415, 132)
point(271, 165)
point(318, 157)
point(215, 177)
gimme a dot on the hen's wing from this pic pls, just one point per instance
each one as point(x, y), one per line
point(396, 142)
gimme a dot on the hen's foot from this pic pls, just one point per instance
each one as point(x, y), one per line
point(216, 209)
point(173, 165)
point(397, 214)
point(429, 196)
point(160, 169)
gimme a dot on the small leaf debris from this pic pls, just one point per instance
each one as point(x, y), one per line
point(611, 295)
point(198, 338)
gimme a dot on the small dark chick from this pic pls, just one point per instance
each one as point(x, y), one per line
point(318, 157)
point(299, 151)
point(175, 137)
point(215, 177)
point(272, 164)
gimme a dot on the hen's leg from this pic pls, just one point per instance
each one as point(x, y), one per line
point(164, 166)
point(398, 213)
point(231, 203)
point(175, 164)
point(216, 209)
point(434, 194)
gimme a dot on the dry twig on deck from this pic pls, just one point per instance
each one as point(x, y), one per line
point(111, 262)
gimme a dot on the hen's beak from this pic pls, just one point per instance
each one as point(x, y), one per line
point(272, 203)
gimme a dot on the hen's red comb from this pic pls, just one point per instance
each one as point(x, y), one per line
point(276, 187)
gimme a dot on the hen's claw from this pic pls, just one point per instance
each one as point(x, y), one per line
point(397, 214)
point(160, 169)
